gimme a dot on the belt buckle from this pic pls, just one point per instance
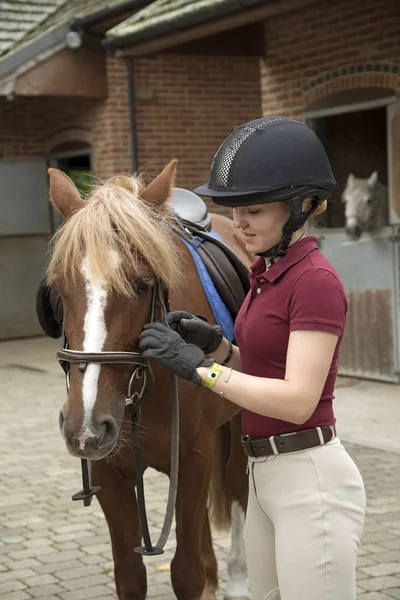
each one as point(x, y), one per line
point(247, 445)
point(320, 435)
point(273, 445)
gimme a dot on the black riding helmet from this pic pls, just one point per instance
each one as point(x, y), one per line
point(269, 160)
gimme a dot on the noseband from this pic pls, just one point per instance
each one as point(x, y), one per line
point(159, 300)
point(66, 356)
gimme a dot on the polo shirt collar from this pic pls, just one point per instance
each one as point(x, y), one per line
point(293, 255)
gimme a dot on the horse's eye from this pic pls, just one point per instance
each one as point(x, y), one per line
point(141, 285)
point(370, 201)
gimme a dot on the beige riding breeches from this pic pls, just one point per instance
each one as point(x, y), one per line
point(303, 525)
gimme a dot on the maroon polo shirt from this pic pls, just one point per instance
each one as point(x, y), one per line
point(300, 291)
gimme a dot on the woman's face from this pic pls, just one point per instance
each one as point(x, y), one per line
point(261, 224)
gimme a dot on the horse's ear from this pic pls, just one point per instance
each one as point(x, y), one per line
point(350, 178)
point(63, 193)
point(372, 179)
point(161, 188)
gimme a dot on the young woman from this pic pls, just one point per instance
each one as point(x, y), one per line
point(306, 501)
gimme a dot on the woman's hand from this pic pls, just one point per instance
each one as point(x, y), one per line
point(158, 342)
point(195, 329)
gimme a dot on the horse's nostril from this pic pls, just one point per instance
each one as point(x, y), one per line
point(61, 419)
point(108, 431)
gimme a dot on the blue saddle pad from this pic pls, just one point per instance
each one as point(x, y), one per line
point(222, 314)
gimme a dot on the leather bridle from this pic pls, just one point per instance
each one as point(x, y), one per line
point(159, 302)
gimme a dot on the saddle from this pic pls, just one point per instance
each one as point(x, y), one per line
point(227, 272)
point(190, 208)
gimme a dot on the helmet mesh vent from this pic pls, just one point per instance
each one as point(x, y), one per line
point(222, 177)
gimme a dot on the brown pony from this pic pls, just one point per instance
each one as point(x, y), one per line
point(104, 262)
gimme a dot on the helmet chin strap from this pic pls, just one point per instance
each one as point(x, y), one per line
point(296, 219)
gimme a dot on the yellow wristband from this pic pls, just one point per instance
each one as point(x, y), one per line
point(212, 376)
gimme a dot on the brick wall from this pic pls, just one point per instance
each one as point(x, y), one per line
point(196, 101)
point(111, 127)
point(21, 130)
point(34, 126)
point(322, 38)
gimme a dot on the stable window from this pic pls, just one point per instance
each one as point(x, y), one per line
point(361, 134)
point(360, 138)
point(74, 159)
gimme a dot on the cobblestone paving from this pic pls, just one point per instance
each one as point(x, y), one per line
point(50, 548)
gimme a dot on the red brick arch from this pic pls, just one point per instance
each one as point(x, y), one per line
point(381, 75)
point(80, 135)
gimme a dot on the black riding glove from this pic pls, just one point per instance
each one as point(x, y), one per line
point(195, 329)
point(49, 310)
point(158, 342)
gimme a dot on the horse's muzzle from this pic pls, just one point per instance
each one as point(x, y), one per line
point(354, 231)
point(94, 441)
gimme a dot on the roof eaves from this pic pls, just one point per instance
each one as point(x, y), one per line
point(171, 24)
point(25, 53)
point(182, 20)
point(8, 82)
point(109, 13)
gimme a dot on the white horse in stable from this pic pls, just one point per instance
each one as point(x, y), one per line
point(366, 205)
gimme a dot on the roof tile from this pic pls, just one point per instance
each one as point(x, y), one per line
point(21, 21)
point(17, 18)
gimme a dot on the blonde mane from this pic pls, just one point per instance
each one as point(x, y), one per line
point(116, 222)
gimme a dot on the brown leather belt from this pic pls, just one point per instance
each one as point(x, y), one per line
point(280, 444)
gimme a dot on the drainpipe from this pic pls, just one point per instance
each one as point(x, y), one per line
point(132, 111)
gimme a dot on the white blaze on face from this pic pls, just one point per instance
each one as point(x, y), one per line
point(352, 222)
point(95, 336)
point(86, 435)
